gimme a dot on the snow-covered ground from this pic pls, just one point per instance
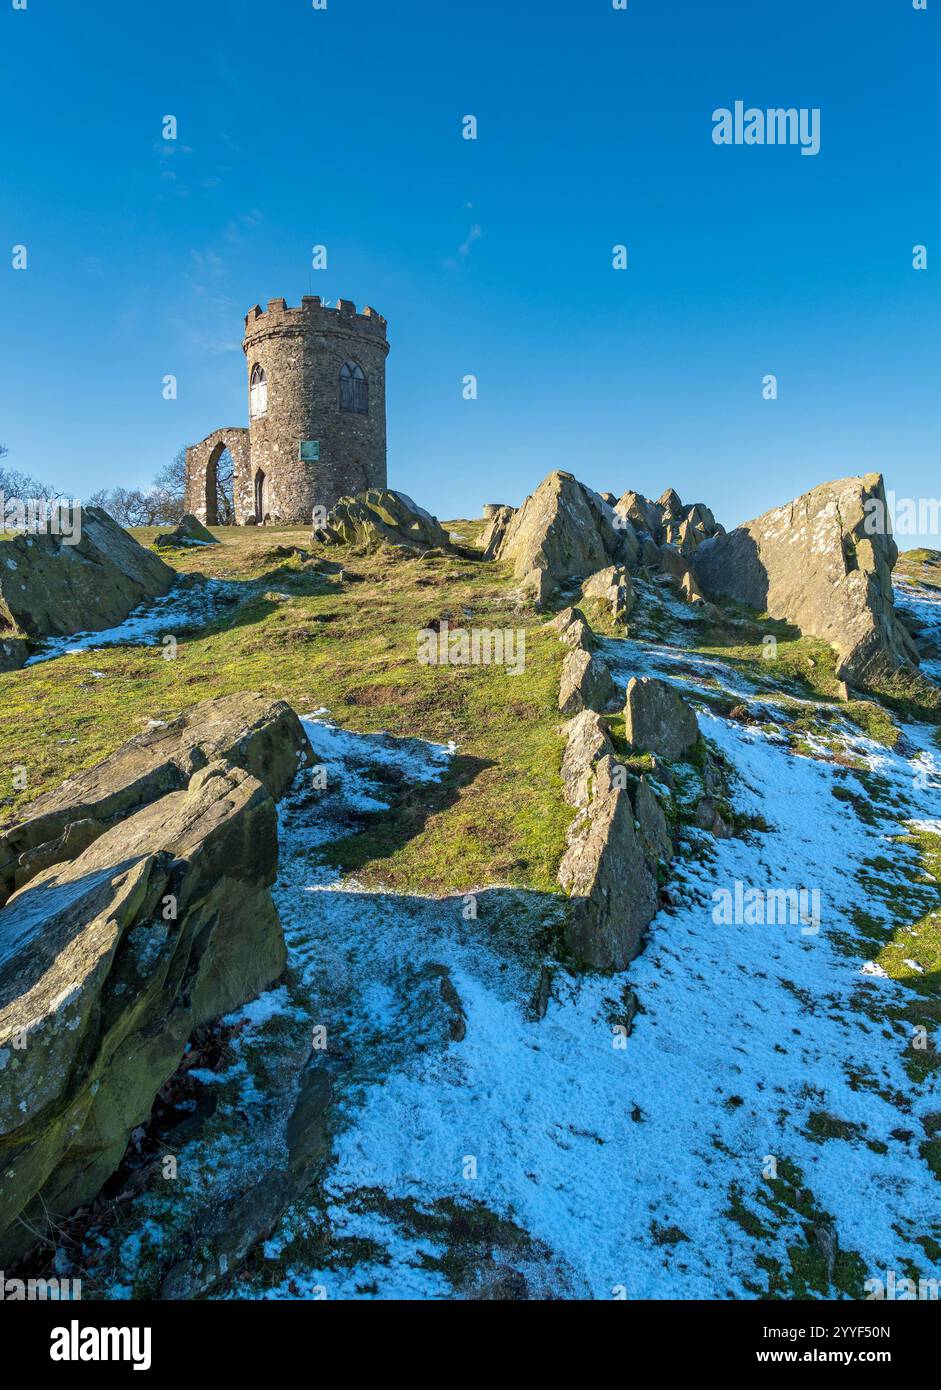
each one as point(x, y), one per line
point(593, 1147)
point(632, 1165)
point(187, 606)
point(924, 603)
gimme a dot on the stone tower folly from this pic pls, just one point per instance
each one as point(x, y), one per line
point(317, 408)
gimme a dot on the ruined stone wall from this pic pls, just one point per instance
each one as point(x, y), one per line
point(301, 352)
point(201, 461)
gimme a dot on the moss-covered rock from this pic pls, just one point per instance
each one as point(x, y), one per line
point(110, 963)
point(247, 730)
point(52, 588)
point(382, 517)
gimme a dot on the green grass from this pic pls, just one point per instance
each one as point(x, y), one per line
point(875, 721)
point(918, 940)
point(905, 893)
point(785, 1203)
point(348, 644)
point(803, 666)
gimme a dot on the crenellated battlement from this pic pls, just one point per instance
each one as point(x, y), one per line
point(313, 315)
point(316, 397)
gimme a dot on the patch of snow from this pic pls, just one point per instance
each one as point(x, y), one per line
point(183, 609)
point(745, 1032)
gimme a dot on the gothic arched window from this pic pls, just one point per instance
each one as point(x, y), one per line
point(258, 392)
point(354, 388)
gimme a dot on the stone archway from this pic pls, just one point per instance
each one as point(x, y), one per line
point(202, 463)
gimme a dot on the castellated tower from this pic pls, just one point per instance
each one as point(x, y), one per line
point(317, 415)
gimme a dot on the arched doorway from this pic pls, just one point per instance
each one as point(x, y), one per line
point(260, 499)
point(220, 488)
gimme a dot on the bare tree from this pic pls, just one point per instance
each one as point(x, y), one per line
point(162, 504)
point(169, 487)
point(225, 488)
point(13, 483)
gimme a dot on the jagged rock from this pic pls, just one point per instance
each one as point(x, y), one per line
point(666, 522)
point(586, 683)
point(13, 652)
point(629, 542)
point(383, 517)
point(708, 808)
point(263, 736)
point(110, 963)
point(605, 872)
point(631, 1008)
point(562, 531)
point(52, 589)
point(188, 531)
point(657, 719)
point(672, 562)
point(499, 520)
point(649, 553)
point(652, 824)
point(587, 742)
point(643, 514)
point(457, 1019)
point(822, 563)
point(539, 1003)
point(613, 588)
point(707, 814)
point(232, 1229)
point(670, 505)
point(574, 630)
point(695, 525)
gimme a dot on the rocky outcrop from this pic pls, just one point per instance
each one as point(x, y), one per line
point(657, 719)
point(587, 742)
point(616, 840)
point(563, 531)
point(668, 521)
point(586, 683)
point(110, 963)
point(500, 518)
point(613, 590)
point(606, 874)
point(13, 653)
point(824, 563)
point(188, 531)
point(573, 629)
point(651, 824)
point(382, 517)
point(672, 562)
point(49, 588)
point(249, 731)
point(644, 515)
point(225, 1233)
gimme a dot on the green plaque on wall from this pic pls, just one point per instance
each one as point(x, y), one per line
point(310, 451)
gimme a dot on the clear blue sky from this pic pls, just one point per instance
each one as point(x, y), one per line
point(491, 257)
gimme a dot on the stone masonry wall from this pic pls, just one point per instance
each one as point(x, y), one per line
point(301, 352)
point(201, 460)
